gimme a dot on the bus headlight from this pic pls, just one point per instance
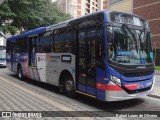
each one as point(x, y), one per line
point(115, 80)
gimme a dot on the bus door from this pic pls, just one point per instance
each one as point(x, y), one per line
point(86, 62)
point(32, 57)
point(32, 51)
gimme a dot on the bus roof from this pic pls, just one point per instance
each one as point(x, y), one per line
point(28, 33)
point(65, 23)
point(61, 25)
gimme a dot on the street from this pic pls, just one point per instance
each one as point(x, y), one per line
point(29, 95)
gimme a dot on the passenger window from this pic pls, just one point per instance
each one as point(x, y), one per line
point(8, 47)
point(45, 42)
point(100, 52)
point(64, 41)
point(19, 45)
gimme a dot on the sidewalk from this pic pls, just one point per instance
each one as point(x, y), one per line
point(156, 90)
point(157, 72)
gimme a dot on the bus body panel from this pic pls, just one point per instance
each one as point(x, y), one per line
point(49, 66)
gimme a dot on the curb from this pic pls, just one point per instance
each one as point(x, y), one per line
point(154, 95)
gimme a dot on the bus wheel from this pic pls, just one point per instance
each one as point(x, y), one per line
point(19, 72)
point(69, 87)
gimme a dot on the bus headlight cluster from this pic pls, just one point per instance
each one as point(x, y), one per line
point(115, 80)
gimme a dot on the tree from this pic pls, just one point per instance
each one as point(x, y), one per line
point(24, 15)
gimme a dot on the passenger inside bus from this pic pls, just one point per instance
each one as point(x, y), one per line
point(68, 47)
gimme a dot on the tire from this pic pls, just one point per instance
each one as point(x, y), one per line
point(69, 87)
point(20, 72)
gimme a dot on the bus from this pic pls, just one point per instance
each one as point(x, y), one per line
point(106, 55)
point(2, 56)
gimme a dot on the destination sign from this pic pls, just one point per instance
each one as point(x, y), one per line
point(126, 19)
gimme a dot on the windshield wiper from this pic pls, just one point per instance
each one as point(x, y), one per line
point(133, 36)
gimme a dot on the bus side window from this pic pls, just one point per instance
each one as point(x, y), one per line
point(13, 47)
point(8, 47)
point(19, 45)
point(24, 44)
point(45, 42)
point(64, 40)
point(100, 54)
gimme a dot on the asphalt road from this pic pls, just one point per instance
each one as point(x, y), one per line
point(27, 95)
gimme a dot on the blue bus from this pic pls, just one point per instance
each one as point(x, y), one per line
point(2, 56)
point(106, 55)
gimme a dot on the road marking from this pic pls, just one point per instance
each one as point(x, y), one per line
point(36, 95)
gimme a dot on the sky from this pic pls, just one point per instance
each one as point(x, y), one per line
point(54, 0)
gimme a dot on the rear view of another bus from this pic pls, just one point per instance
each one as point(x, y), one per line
point(2, 56)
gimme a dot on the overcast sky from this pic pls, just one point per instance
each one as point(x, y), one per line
point(54, 0)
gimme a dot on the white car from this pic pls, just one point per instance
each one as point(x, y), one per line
point(3, 58)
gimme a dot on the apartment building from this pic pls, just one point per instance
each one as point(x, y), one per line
point(77, 8)
point(121, 5)
point(2, 41)
point(150, 9)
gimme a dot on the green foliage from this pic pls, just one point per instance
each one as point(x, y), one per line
point(157, 67)
point(24, 15)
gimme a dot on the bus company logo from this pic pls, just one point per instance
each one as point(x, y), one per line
point(6, 114)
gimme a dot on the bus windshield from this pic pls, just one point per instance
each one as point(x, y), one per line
point(129, 46)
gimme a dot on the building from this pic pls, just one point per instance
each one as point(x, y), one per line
point(150, 9)
point(121, 5)
point(2, 41)
point(145, 8)
point(77, 8)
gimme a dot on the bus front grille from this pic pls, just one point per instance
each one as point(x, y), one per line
point(137, 74)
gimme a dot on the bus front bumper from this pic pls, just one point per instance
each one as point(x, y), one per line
point(122, 95)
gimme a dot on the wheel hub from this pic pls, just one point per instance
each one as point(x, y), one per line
point(19, 73)
point(69, 85)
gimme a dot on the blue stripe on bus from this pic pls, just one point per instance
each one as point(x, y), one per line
point(100, 94)
point(91, 90)
point(28, 33)
point(101, 76)
point(81, 88)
